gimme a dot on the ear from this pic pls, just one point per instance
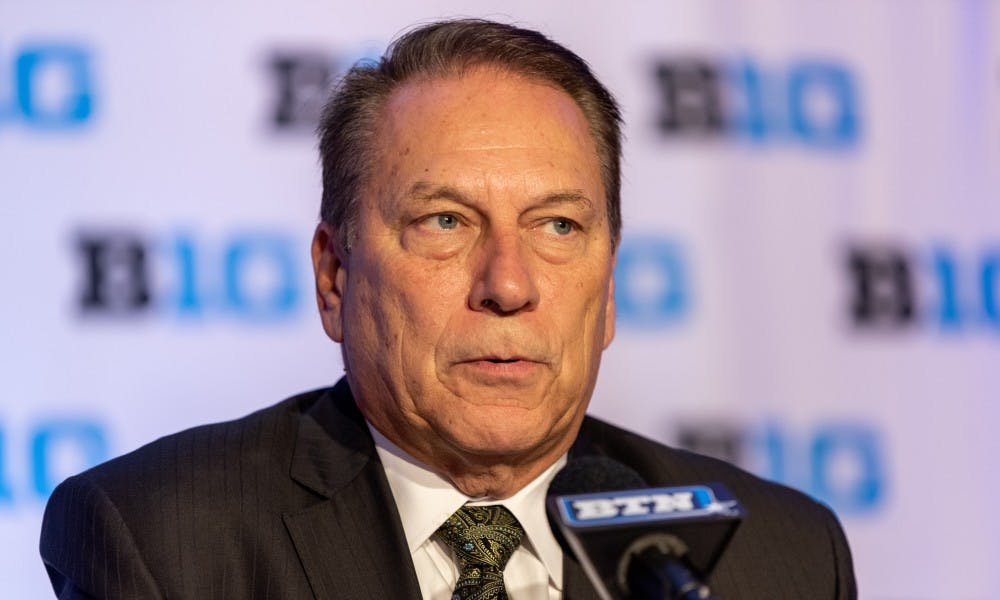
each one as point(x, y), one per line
point(330, 269)
point(609, 307)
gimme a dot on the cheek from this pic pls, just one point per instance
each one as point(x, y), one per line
point(580, 307)
point(368, 331)
point(409, 305)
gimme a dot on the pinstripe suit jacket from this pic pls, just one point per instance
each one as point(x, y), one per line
point(292, 502)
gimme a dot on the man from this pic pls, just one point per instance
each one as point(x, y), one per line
point(464, 262)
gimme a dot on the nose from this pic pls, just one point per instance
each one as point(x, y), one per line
point(504, 282)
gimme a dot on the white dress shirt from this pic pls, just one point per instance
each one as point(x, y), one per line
point(425, 500)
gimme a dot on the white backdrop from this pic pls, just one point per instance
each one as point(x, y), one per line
point(809, 283)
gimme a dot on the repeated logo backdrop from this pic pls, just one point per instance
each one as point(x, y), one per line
point(808, 286)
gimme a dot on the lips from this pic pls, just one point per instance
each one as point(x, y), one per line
point(494, 369)
point(500, 360)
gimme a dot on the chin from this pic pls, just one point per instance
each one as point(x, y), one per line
point(502, 436)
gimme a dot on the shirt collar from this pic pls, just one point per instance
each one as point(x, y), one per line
point(425, 500)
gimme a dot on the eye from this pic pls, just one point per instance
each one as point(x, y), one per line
point(442, 221)
point(562, 226)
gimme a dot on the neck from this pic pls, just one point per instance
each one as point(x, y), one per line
point(497, 481)
point(476, 476)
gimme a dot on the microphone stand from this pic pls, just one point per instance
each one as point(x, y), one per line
point(652, 569)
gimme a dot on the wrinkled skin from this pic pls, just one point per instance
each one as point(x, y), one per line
point(476, 298)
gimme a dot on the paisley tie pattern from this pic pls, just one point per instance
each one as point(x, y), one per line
point(483, 538)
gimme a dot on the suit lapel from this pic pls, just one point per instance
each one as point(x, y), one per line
point(351, 542)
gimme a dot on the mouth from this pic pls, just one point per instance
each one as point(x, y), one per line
point(503, 359)
point(495, 369)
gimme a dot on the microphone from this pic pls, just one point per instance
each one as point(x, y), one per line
point(639, 542)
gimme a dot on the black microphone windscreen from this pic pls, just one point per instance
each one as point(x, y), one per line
point(593, 474)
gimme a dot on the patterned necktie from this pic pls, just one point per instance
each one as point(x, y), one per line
point(483, 538)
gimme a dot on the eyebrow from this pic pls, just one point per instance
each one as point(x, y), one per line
point(425, 190)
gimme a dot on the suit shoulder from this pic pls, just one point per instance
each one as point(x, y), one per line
point(206, 455)
point(184, 512)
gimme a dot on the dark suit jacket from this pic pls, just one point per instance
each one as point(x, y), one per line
point(292, 502)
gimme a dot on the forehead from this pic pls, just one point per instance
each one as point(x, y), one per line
point(486, 112)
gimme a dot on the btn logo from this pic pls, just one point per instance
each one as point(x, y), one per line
point(251, 275)
point(604, 508)
point(642, 505)
point(51, 87)
point(810, 102)
point(899, 288)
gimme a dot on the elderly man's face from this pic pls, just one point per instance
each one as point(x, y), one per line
point(476, 298)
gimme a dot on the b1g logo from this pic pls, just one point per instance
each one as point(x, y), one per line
point(811, 102)
point(898, 288)
point(250, 275)
point(840, 463)
point(301, 81)
point(48, 86)
point(36, 457)
point(652, 283)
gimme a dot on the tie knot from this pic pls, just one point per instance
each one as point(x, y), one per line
point(483, 536)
